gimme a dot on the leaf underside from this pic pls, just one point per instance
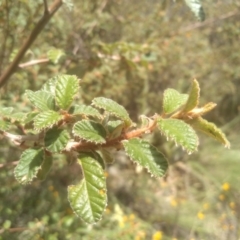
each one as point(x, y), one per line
point(210, 129)
point(88, 199)
point(193, 98)
point(146, 155)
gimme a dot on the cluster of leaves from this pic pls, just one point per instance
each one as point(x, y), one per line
point(91, 133)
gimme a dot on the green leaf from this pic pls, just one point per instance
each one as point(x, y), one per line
point(172, 100)
point(107, 155)
point(85, 111)
point(146, 155)
point(88, 199)
point(30, 117)
point(46, 119)
point(55, 54)
point(193, 98)
point(50, 86)
point(19, 117)
point(41, 100)
point(67, 87)
point(6, 112)
point(180, 132)
point(29, 165)
point(45, 168)
point(56, 139)
point(196, 8)
point(99, 159)
point(210, 129)
point(114, 128)
point(113, 108)
point(90, 131)
point(4, 125)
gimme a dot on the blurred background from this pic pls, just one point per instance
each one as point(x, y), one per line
point(130, 51)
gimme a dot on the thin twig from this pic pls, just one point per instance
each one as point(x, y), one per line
point(206, 23)
point(32, 37)
point(33, 62)
point(3, 165)
point(46, 11)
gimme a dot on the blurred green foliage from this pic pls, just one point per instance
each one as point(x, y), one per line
point(130, 51)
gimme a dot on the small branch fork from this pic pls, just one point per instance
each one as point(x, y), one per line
point(48, 13)
point(21, 140)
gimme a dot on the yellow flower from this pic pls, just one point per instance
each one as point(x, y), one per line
point(157, 236)
point(200, 215)
point(226, 186)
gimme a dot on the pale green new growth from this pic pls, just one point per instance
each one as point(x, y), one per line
point(172, 100)
point(193, 98)
point(67, 86)
point(210, 129)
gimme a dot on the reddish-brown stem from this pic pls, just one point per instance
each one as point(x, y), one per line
point(32, 37)
point(116, 142)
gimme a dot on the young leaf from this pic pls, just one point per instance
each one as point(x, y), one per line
point(114, 128)
point(50, 86)
point(99, 159)
point(41, 100)
point(210, 129)
point(113, 108)
point(196, 8)
point(88, 199)
point(6, 112)
point(85, 111)
point(146, 155)
point(55, 54)
point(180, 132)
point(4, 125)
point(18, 117)
point(107, 155)
point(193, 98)
point(29, 165)
point(90, 131)
point(56, 139)
point(172, 100)
point(46, 119)
point(67, 86)
point(45, 168)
